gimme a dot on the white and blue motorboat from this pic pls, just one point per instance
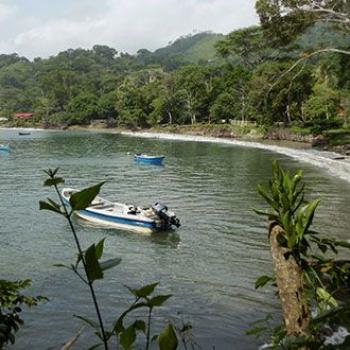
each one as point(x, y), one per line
point(5, 148)
point(146, 159)
point(124, 216)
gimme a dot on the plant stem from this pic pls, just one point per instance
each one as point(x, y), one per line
point(92, 291)
point(148, 328)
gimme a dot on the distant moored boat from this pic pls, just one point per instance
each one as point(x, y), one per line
point(24, 133)
point(144, 158)
point(5, 148)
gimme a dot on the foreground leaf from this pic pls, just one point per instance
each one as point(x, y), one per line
point(94, 270)
point(99, 248)
point(167, 340)
point(50, 206)
point(144, 291)
point(262, 281)
point(81, 200)
point(128, 337)
point(91, 323)
point(54, 182)
point(159, 300)
point(108, 264)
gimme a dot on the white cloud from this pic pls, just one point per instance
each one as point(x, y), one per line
point(126, 25)
point(152, 23)
point(57, 35)
point(6, 11)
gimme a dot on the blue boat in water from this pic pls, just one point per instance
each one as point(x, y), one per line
point(124, 216)
point(146, 159)
point(5, 148)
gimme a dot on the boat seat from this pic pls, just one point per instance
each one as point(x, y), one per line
point(96, 204)
point(101, 206)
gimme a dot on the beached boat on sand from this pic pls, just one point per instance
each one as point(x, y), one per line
point(129, 217)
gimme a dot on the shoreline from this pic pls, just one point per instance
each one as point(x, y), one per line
point(275, 135)
point(332, 162)
point(328, 161)
point(295, 142)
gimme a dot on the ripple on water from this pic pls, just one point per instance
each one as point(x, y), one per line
point(209, 264)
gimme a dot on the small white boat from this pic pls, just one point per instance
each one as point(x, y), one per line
point(129, 217)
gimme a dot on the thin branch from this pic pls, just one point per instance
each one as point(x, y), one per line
point(304, 58)
point(343, 16)
point(148, 335)
point(70, 343)
point(89, 282)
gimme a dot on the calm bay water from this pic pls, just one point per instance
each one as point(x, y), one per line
point(209, 264)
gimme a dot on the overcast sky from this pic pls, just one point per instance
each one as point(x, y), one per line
point(42, 28)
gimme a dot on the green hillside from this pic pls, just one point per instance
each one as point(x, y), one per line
point(193, 47)
point(186, 49)
point(203, 49)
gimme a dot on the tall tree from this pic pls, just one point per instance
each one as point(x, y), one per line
point(248, 44)
point(286, 19)
point(194, 82)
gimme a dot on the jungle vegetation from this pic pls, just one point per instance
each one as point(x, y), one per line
point(300, 77)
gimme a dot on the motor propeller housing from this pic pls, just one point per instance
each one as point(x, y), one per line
point(167, 217)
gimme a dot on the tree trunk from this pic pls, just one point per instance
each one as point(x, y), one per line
point(170, 117)
point(289, 119)
point(193, 119)
point(302, 113)
point(243, 108)
point(290, 285)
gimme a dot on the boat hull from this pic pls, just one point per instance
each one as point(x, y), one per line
point(5, 148)
point(150, 160)
point(125, 216)
point(117, 222)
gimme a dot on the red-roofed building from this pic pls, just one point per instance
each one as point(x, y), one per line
point(23, 115)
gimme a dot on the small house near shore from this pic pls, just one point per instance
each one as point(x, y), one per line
point(25, 116)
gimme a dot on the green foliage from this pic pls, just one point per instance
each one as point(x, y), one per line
point(285, 196)
point(322, 104)
point(189, 49)
point(83, 108)
point(11, 301)
point(144, 300)
point(263, 280)
point(326, 279)
point(195, 83)
point(285, 20)
point(247, 44)
point(184, 82)
point(276, 99)
point(82, 199)
point(167, 340)
point(94, 267)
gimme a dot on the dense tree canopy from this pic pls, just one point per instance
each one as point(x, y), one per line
point(286, 19)
point(258, 74)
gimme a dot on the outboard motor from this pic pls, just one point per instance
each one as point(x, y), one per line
point(168, 218)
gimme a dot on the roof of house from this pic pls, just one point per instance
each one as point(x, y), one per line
point(23, 115)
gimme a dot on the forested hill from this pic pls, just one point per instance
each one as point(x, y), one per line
point(204, 77)
point(192, 48)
